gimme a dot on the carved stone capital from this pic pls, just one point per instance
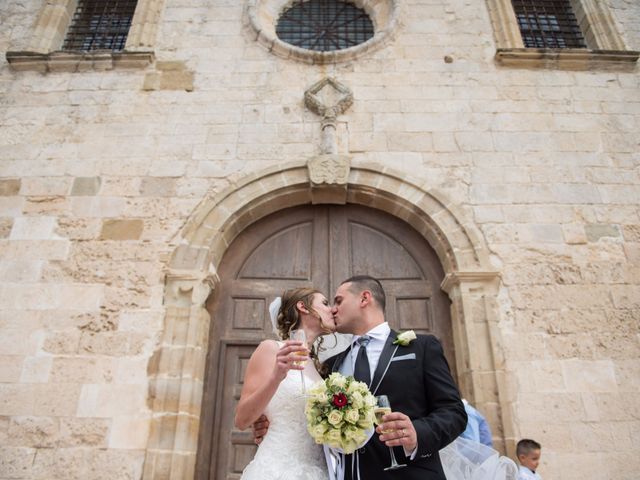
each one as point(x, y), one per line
point(186, 288)
point(488, 281)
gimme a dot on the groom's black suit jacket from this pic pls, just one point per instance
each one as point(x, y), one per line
point(418, 384)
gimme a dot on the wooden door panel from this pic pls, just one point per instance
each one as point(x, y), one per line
point(260, 288)
point(414, 314)
point(243, 451)
point(379, 255)
point(234, 448)
point(292, 247)
point(315, 246)
point(248, 314)
point(410, 307)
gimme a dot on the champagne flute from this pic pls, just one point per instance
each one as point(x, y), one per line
point(302, 337)
point(383, 408)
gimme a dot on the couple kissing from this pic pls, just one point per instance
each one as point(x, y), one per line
point(426, 409)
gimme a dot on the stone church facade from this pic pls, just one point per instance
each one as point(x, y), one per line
point(155, 197)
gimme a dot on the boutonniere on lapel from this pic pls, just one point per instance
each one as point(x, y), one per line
point(405, 338)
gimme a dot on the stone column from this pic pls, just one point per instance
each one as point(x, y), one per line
point(176, 377)
point(479, 352)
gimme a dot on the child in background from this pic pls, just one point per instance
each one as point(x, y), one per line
point(528, 453)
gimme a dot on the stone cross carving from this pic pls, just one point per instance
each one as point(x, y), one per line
point(328, 98)
point(329, 171)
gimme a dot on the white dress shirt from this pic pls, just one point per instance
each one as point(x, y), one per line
point(525, 474)
point(379, 335)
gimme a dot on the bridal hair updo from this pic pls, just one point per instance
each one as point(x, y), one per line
point(288, 318)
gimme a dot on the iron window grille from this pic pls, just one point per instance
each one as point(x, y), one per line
point(100, 25)
point(548, 24)
point(324, 25)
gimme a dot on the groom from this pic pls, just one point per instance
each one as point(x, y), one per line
point(427, 412)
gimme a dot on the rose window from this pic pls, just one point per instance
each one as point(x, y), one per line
point(324, 25)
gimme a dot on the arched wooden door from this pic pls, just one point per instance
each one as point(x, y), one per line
point(314, 246)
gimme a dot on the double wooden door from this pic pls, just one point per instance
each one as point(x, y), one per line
point(317, 246)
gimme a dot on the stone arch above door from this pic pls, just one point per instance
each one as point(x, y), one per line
point(176, 370)
point(220, 218)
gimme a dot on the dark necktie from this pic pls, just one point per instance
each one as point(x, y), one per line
point(361, 370)
point(362, 373)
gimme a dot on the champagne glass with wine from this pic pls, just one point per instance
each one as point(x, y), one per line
point(302, 337)
point(383, 408)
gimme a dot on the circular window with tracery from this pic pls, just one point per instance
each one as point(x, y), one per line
point(323, 31)
point(324, 25)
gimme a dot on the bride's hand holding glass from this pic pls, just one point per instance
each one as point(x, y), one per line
point(291, 356)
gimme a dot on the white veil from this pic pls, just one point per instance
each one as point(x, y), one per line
point(468, 460)
point(274, 308)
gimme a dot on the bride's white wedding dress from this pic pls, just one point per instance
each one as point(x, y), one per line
point(288, 452)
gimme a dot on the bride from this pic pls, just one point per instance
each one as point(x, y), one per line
point(273, 386)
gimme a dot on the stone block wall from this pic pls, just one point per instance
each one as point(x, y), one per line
point(101, 170)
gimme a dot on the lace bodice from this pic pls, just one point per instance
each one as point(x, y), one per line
point(288, 452)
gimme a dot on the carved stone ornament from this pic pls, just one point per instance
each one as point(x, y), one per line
point(328, 98)
point(329, 169)
point(328, 176)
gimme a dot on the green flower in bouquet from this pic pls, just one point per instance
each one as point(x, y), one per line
point(339, 412)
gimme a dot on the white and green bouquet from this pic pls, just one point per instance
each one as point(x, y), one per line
point(340, 413)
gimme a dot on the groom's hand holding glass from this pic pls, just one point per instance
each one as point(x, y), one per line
point(399, 432)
